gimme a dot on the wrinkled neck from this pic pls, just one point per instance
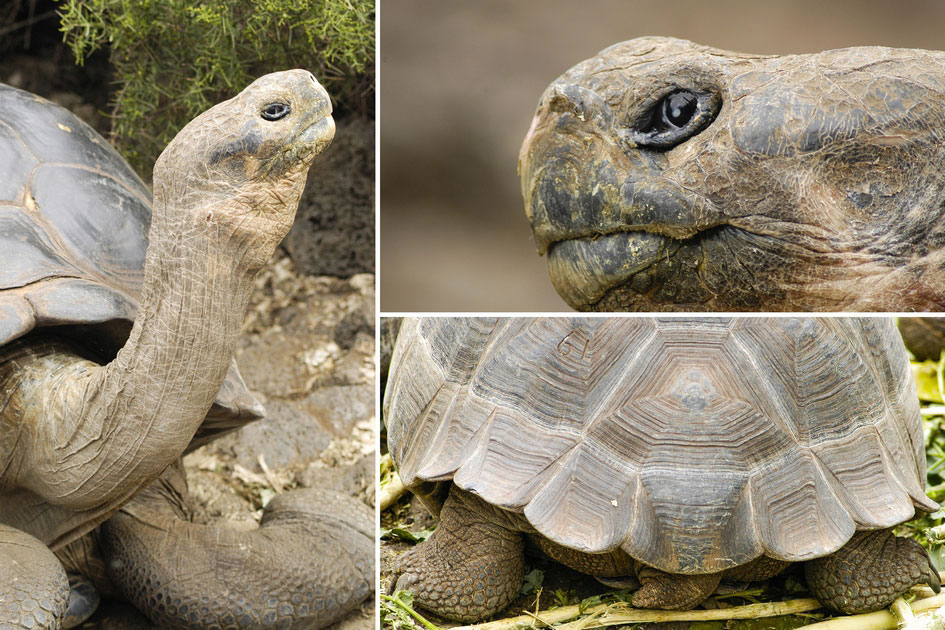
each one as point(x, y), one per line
point(116, 427)
point(197, 282)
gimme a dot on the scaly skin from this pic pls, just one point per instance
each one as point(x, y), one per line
point(761, 568)
point(672, 591)
point(34, 591)
point(870, 571)
point(471, 567)
point(605, 565)
point(310, 561)
point(923, 336)
point(807, 183)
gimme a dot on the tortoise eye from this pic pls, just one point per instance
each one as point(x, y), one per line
point(675, 118)
point(275, 111)
point(678, 109)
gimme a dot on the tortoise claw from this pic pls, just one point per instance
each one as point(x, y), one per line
point(933, 579)
point(83, 600)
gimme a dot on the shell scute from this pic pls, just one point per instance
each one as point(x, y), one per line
point(16, 164)
point(97, 218)
point(693, 444)
point(54, 135)
point(74, 220)
point(30, 254)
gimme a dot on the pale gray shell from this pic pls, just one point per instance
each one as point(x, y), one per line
point(74, 221)
point(694, 445)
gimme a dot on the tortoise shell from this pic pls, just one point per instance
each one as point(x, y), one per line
point(695, 445)
point(74, 221)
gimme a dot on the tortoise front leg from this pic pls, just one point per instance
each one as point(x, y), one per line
point(869, 572)
point(471, 567)
point(310, 561)
point(34, 591)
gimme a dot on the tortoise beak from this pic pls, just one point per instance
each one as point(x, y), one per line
point(318, 135)
point(317, 128)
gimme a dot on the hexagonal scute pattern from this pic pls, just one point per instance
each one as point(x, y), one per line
point(695, 445)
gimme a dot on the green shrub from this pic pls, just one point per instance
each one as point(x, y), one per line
point(175, 58)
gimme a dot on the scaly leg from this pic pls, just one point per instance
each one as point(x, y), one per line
point(672, 591)
point(471, 567)
point(869, 572)
point(310, 561)
point(612, 564)
point(34, 591)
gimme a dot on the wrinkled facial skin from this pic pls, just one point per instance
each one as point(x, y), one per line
point(255, 147)
point(814, 182)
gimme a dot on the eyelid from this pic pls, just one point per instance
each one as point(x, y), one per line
point(643, 135)
point(283, 110)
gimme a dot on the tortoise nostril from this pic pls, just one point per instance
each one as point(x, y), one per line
point(580, 102)
point(559, 101)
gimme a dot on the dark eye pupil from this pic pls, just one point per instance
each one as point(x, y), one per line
point(679, 108)
point(275, 111)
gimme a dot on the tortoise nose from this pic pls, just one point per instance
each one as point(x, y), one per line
point(582, 103)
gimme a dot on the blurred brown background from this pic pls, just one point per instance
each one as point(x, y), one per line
point(460, 81)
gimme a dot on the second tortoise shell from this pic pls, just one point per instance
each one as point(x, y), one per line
point(74, 221)
point(695, 445)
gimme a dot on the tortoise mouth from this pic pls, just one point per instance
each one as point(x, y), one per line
point(302, 149)
point(317, 135)
point(680, 235)
point(680, 220)
point(634, 269)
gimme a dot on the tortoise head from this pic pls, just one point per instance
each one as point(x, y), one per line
point(243, 162)
point(665, 175)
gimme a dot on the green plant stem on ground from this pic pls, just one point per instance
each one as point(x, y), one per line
point(392, 491)
point(620, 613)
point(399, 601)
point(879, 620)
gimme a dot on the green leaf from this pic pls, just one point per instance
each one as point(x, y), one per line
point(927, 380)
point(397, 612)
point(532, 582)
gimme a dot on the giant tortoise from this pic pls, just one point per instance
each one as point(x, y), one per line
point(679, 451)
point(663, 175)
point(118, 321)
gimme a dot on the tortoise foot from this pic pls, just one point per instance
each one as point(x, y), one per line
point(469, 569)
point(670, 591)
point(310, 562)
point(34, 591)
point(869, 572)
